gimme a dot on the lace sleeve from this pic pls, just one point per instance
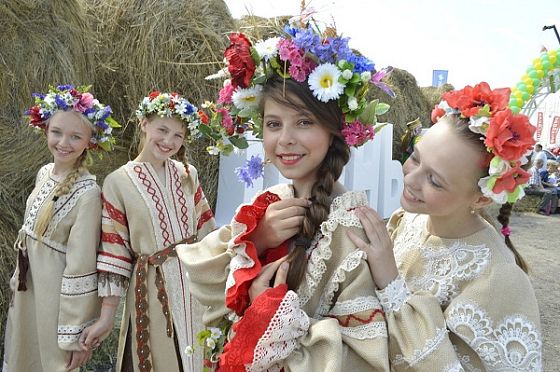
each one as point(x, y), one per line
point(110, 284)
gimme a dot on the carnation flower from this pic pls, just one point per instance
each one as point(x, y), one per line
point(324, 84)
point(356, 133)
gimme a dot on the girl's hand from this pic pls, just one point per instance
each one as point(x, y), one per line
point(93, 335)
point(262, 282)
point(77, 359)
point(379, 251)
point(282, 220)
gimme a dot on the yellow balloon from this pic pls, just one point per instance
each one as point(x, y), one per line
point(538, 65)
point(519, 102)
point(528, 81)
point(540, 73)
point(536, 60)
point(553, 59)
point(518, 94)
point(530, 89)
point(552, 53)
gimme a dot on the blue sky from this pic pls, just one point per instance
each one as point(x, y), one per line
point(476, 40)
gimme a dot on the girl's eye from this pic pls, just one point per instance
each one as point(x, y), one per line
point(179, 136)
point(77, 138)
point(162, 130)
point(305, 123)
point(412, 157)
point(433, 181)
point(272, 124)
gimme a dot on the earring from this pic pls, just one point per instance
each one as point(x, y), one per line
point(473, 211)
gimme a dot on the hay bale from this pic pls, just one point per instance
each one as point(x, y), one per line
point(433, 94)
point(43, 42)
point(167, 45)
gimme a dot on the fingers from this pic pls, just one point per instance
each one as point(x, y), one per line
point(372, 223)
point(269, 270)
point(281, 274)
point(290, 202)
point(358, 242)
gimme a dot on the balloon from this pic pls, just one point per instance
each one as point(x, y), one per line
point(553, 60)
point(512, 101)
point(546, 65)
point(515, 109)
point(536, 81)
point(540, 73)
point(530, 89)
point(533, 73)
point(525, 95)
point(528, 81)
point(552, 53)
point(518, 94)
point(522, 87)
point(518, 102)
point(544, 57)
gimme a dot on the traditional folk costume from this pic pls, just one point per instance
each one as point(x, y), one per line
point(46, 319)
point(143, 218)
point(333, 320)
point(458, 304)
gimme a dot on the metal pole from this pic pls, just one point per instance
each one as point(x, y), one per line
point(555, 31)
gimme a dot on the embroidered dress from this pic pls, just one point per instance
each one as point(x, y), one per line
point(143, 217)
point(458, 304)
point(46, 320)
point(332, 322)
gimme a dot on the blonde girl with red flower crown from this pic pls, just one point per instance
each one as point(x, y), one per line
point(298, 290)
point(55, 282)
point(454, 290)
point(149, 205)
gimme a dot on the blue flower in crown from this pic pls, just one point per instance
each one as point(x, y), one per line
point(70, 98)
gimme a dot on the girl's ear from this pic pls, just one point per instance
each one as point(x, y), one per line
point(143, 124)
point(481, 201)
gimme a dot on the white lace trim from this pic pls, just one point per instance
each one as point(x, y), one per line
point(445, 269)
point(115, 265)
point(355, 305)
point(466, 362)
point(513, 344)
point(79, 285)
point(367, 331)
point(340, 214)
point(420, 355)
point(68, 334)
point(241, 259)
point(280, 338)
point(350, 263)
point(394, 295)
point(454, 367)
point(409, 238)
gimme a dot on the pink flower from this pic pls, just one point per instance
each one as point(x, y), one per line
point(356, 133)
point(227, 121)
point(85, 102)
point(225, 94)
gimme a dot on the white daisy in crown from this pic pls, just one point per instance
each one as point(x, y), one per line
point(323, 81)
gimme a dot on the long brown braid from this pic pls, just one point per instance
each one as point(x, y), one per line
point(473, 138)
point(63, 188)
point(328, 115)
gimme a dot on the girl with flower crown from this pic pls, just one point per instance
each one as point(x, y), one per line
point(298, 289)
point(55, 282)
point(149, 205)
point(453, 288)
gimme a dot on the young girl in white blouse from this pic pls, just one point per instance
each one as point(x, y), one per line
point(454, 290)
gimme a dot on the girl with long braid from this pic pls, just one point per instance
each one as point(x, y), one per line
point(150, 205)
point(299, 290)
point(55, 283)
point(454, 289)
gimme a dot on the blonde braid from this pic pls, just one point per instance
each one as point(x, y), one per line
point(46, 213)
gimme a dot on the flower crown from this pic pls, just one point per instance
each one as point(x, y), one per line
point(78, 99)
point(167, 105)
point(332, 70)
point(508, 137)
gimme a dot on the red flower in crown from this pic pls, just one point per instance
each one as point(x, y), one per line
point(240, 63)
point(154, 94)
point(509, 136)
point(204, 119)
point(511, 179)
point(35, 117)
point(470, 100)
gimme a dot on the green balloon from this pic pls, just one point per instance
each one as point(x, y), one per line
point(536, 81)
point(515, 109)
point(544, 57)
point(532, 73)
point(525, 95)
point(546, 65)
point(522, 87)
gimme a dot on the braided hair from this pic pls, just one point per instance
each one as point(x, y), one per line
point(330, 116)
